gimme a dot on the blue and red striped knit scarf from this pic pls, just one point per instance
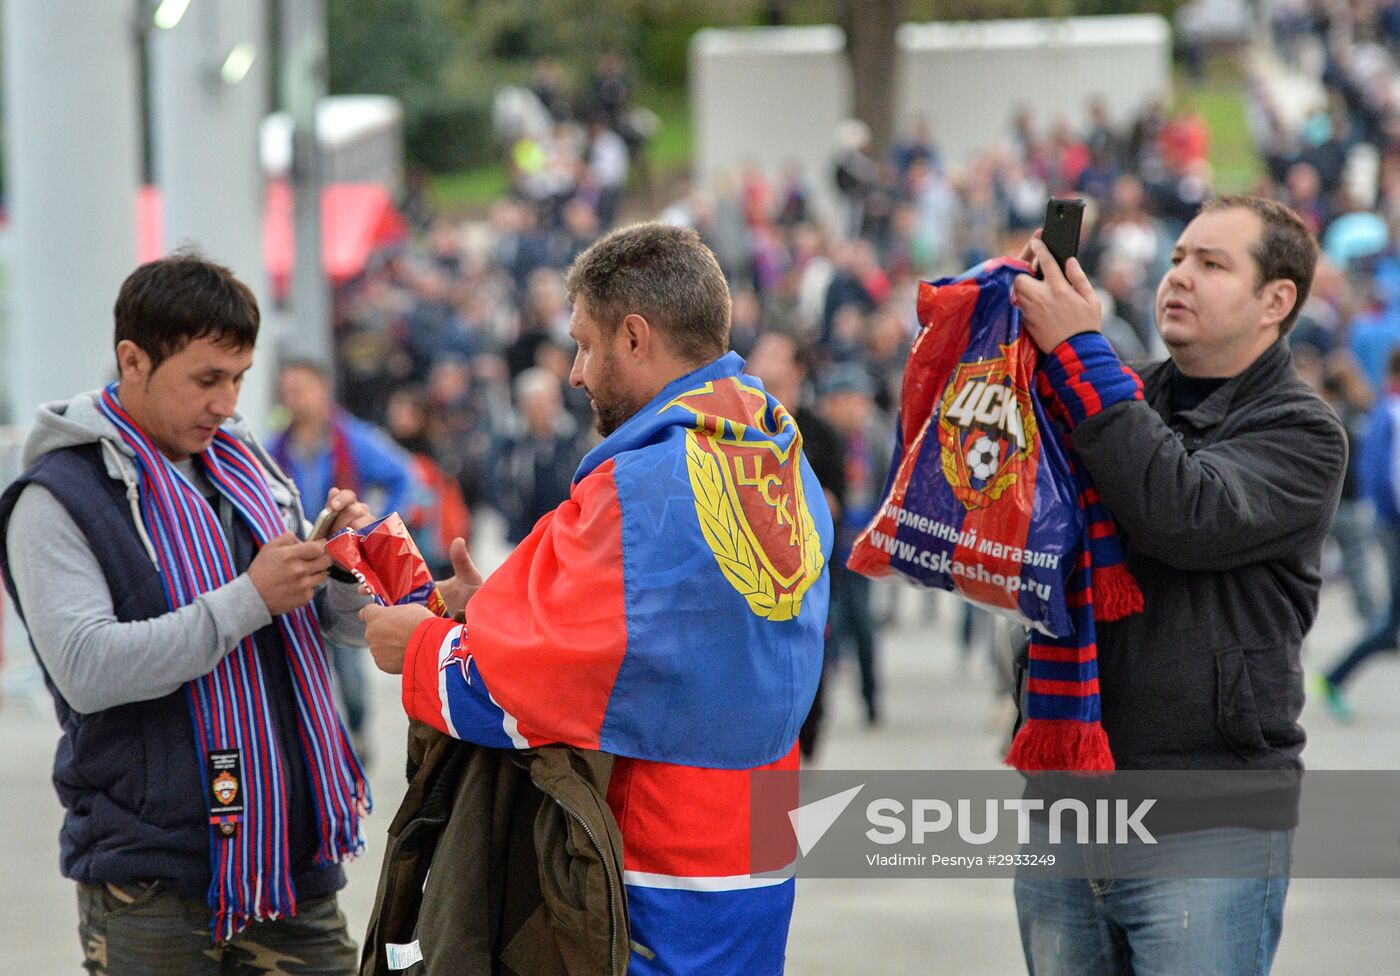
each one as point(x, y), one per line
point(228, 707)
point(1062, 730)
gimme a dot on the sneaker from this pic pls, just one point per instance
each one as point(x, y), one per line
point(1331, 695)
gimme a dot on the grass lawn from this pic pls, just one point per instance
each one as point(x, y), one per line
point(1220, 98)
point(468, 193)
point(672, 145)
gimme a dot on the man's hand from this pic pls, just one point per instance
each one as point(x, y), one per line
point(1061, 305)
point(287, 572)
point(388, 631)
point(351, 512)
point(466, 579)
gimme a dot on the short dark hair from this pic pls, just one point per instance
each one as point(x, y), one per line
point(315, 367)
point(802, 352)
point(1285, 250)
point(663, 273)
point(1393, 363)
point(166, 304)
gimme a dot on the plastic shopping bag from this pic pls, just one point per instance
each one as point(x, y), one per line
point(980, 499)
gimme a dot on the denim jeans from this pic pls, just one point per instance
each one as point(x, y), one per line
point(348, 664)
point(1353, 530)
point(1385, 629)
point(1109, 924)
point(851, 623)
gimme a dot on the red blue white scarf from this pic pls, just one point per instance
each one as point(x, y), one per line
point(1062, 729)
point(228, 707)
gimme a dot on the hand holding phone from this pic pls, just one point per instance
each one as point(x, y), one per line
point(321, 528)
point(1053, 311)
point(1063, 219)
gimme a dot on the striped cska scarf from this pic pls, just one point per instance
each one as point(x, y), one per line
point(1062, 730)
point(251, 879)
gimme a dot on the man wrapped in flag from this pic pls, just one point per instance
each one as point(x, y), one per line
point(670, 612)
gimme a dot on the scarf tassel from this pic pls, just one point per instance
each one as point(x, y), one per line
point(1116, 593)
point(1045, 744)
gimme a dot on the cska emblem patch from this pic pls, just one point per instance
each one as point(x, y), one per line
point(749, 497)
point(987, 430)
point(225, 788)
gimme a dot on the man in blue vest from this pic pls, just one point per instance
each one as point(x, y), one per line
point(153, 549)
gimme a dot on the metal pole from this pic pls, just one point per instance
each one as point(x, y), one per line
point(208, 100)
point(303, 87)
point(71, 176)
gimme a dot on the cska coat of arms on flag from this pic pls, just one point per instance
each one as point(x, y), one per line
point(749, 497)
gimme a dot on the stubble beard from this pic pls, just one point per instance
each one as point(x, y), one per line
point(613, 406)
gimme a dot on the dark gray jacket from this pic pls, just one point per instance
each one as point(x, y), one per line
point(1223, 510)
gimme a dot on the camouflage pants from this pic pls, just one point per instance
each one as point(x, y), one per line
point(141, 930)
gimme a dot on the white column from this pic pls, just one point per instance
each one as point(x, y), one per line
point(206, 106)
point(303, 83)
point(71, 153)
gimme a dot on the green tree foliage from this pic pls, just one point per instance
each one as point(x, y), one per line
point(406, 48)
point(399, 47)
point(444, 59)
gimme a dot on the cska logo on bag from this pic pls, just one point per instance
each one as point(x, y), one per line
point(749, 498)
point(986, 428)
point(225, 788)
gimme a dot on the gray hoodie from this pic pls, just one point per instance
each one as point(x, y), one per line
point(95, 661)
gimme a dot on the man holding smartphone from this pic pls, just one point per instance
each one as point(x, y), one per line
point(154, 551)
point(1222, 471)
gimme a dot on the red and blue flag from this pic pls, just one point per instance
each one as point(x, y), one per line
point(671, 613)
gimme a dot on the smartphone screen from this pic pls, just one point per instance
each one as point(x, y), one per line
point(1061, 234)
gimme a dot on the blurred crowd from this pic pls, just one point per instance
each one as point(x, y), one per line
point(457, 345)
point(563, 147)
point(1341, 155)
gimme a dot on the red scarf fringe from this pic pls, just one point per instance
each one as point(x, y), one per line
point(1116, 593)
point(1045, 744)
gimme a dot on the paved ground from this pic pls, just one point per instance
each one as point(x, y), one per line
point(937, 717)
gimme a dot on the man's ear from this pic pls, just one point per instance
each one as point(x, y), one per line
point(637, 336)
point(1280, 295)
point(133, 362)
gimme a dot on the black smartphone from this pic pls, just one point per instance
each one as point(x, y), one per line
point(1061, 234)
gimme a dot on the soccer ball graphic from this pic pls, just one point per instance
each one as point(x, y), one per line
point(982, 458)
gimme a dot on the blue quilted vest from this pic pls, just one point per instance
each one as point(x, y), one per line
point(128, 777)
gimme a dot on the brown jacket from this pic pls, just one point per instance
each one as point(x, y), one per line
point(500, 862)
